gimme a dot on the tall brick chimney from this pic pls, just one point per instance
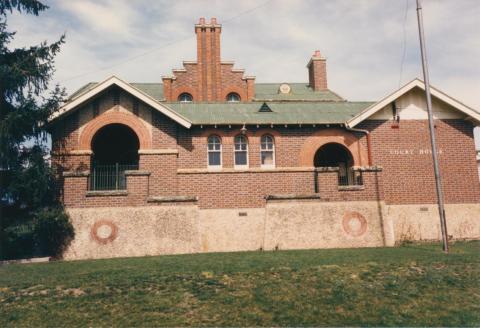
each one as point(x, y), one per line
point(208, 57)
point(317, 72)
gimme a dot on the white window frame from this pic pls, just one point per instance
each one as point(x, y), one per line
point(233, 101)
point(214, 167)
point(267, 166)
point(185, 101)
point(235, 151)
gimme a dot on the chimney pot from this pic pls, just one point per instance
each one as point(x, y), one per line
point(202, 20)
point(213, 21)
point(317, 53)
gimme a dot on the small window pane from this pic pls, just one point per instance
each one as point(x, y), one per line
point(214, 158)
point(241, 158)
point(267, 157)
point(214, 143)
point(233, 97)
point(185, 97)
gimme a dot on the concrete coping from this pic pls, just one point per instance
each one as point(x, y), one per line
point(137, 172)
point(166, 151)
point(246, 170)
point(292, 196)
point(375, 168)
point(351, 188)
point(327, 169)
point(75, 174)
point(26, 261)
point(171, 199)
point(72, 153)
point(101, 193)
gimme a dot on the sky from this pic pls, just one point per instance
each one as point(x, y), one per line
point(371, 46)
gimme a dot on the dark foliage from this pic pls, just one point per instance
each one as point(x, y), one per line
point(26, 181)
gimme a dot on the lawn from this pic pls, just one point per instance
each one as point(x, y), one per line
point(415, 285)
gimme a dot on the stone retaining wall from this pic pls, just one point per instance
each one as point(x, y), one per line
point(283, 223)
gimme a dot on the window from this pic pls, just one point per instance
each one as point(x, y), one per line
point(267, 151)
point(233, 97)
point(185, 97)
point(214, 152)
point(241, 151)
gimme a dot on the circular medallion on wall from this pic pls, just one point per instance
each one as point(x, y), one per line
point(104, 232)
point(354, 223)
point(284, 88)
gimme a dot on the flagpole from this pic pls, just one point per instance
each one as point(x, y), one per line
point(438, 181)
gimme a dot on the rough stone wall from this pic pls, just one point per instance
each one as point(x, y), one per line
point(297, 225)
point(231, 230)
point(404, 152)
point(133, 231)
point(104, 232)
point(421, 222)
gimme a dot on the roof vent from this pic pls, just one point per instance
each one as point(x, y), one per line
point(264, 108)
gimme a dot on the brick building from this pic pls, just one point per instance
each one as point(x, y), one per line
point(210, 160)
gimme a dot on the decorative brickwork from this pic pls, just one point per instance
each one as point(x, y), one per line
point(129, 120)
point(208, 79)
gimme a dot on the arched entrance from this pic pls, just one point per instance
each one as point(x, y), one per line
point(115, 150)
point(336, 155)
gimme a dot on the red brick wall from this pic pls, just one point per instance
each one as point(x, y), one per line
point(370, 191)
point(408, 174)
point(75, 194)
point(242, 190)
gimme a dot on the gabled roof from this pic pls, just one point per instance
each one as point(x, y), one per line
point(92, 90)
point(416, 83)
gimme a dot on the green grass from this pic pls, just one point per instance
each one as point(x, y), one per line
point(415, 285)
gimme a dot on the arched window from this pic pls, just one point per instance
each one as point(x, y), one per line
point(241, 151)
point(214, 152)
point(233, 97)
point(185, 97)
point(267, 151)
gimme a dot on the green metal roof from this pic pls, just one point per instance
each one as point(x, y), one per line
point(282, 113)
point(298, 92)
point(263, 92)
point(301, 106)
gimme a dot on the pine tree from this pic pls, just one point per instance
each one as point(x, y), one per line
point(26, 180)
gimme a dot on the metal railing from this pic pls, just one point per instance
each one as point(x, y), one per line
point(110, 177)
point(350, 178)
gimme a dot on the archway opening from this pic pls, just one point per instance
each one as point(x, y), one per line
point(115, 150)
point(337, 155)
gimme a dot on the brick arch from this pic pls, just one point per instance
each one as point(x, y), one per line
point(129, 120)
point(342, 137)
point(274, 133)
point(240, 91)
point(184, 89)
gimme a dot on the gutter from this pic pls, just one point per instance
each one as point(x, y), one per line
point(369, 142)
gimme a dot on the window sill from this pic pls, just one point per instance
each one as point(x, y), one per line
point(351, 188)
point(267, 167)
point(101, 193)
